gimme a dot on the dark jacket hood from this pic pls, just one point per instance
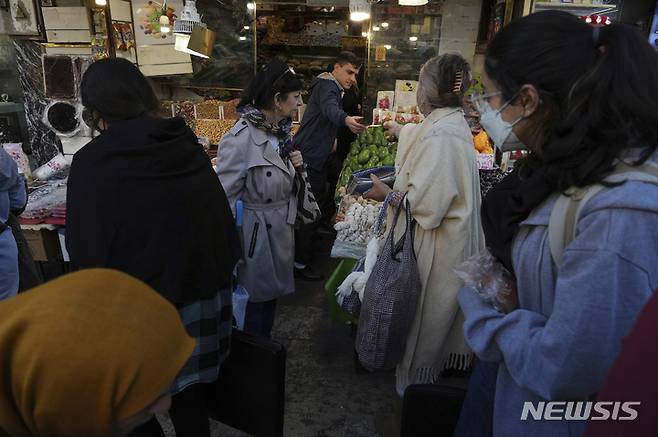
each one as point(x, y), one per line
point(154, 146)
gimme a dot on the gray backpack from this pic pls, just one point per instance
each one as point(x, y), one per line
point(567, 209)
point(389, 300)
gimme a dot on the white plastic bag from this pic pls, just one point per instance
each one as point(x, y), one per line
point(489, 278)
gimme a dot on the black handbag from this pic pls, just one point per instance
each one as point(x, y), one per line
point(431, 410)
point(249, 394)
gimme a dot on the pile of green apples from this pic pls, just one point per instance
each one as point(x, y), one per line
point(371, 149)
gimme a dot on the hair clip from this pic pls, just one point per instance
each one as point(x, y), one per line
point(459, 81)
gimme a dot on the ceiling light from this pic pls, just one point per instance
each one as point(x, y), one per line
point(413, 38)
point(246, 28)
point(385, 25)
point(364, 34)
point(376, 29)
point(412, 2)
point(243, 38)
point(359, 10)
point(388, 47)
point(101, 2)
point(251, 6)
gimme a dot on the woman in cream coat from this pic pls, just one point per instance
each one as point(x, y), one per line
point(436, 169)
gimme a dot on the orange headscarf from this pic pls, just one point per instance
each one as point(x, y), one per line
point(85, 351)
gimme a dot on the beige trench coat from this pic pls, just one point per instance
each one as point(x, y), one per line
point(250, 168)
point(436, 167)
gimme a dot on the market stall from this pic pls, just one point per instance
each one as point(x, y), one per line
point(43, 123)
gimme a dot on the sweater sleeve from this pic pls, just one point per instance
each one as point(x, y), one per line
point(232, 165)
point(18, 194)
point(331, 104)
point(566, 355)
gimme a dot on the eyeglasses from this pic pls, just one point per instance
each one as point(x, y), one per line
point(479, 99)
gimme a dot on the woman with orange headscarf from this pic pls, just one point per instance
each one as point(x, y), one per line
point(93, 353)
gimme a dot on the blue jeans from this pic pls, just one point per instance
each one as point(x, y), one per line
point(8, 264)
point(476, 417)
point(259, 318)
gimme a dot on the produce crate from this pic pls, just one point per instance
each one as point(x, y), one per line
point(370, 149)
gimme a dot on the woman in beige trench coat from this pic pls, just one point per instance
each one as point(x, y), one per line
point(256, 164)
point(436, 169)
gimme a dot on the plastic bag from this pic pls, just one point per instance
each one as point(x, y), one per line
point(350, 293)
point(489, 278)
point(344, 249)
point(42, 200)
point(240, 301)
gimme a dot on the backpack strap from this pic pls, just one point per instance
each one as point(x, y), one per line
point(564, 216)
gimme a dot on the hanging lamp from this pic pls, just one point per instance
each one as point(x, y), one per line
point(359, 10)
point(192, 35)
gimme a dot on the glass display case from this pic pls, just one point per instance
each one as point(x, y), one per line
point(308, 34)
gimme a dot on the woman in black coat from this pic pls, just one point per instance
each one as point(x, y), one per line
point(143, 199)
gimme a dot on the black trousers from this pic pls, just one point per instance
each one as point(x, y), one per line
point(305, 235)
point(28, 274)
point(188, 412)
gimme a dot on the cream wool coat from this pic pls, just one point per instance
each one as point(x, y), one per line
point(436, 167)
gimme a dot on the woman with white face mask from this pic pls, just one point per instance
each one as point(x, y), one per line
point(437, 173)
point(583, 101)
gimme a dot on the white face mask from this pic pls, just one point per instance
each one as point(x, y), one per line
point(499, 130)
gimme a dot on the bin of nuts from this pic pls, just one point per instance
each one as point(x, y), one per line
point(214, 130)
point(210, 109)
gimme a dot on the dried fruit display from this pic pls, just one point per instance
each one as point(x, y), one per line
point(214, 130)
point(210, 109)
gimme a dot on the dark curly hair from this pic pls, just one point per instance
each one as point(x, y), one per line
point(598, 89)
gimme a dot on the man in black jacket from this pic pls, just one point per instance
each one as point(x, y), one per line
point(323, 117)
